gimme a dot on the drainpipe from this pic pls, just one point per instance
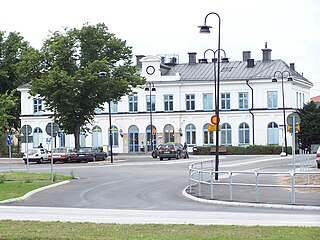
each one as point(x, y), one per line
point(250, 111)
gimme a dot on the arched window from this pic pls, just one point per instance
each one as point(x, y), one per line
point(82, 138)
point(244, 133)
point(226, 134)
point(273, 133)
point(37, 137)
point(207, 135)
point(151, 137)
point(168, 133)
point(115, 136)
point(191, 134)
point(96, 136)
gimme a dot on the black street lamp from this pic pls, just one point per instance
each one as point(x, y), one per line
point(150, 87)
point(104, 74)
point(206, 29)
point(274, 79)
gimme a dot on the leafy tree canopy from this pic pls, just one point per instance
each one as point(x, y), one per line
point(310, 125)
point(69, 83)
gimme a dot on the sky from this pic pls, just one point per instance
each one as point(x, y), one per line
point(291, 28)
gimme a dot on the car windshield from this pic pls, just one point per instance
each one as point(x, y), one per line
point(85, 149)
point(59, 150)
point(167, 146)
point(32, 151)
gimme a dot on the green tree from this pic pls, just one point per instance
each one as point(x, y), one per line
point(18, 62)
point(70, 85)
point(310, 125)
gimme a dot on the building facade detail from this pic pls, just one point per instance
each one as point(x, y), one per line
point(183, 104)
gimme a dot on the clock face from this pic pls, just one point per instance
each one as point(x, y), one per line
point(150, 70)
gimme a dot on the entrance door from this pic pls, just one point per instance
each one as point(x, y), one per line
point(151, 138)
point(133, 139)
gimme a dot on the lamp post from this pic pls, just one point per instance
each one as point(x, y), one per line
point(150, 87)
point(104, 74)
point(274, 79)
point(206, 29)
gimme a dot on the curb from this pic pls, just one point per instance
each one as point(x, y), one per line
point(243, 204)
point(33, 192)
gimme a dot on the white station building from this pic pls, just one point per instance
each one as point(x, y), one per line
point(182, 104)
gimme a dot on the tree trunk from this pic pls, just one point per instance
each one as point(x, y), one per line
point(77, 137)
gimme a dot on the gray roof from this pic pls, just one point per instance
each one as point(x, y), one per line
point(235, 70)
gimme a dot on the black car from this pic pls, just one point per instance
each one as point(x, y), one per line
point(89, 154)
point(155, 152)
point(172, 150)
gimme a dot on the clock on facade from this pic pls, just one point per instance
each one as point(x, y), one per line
point(150, 70)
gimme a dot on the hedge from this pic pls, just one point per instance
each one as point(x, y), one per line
point(247, 150)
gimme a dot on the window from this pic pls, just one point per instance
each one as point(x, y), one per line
point(168, 133)
point(37, 137)
point(168, 102)
point(133, 103)
point(37, 105)
point(207, 101)
point(191, 134)
point(243, 100)
point(273, 133)
point(226, 134)
point(297, 100)
point(207, 135)
point(115, 136)
point(190, 102)
point(114, 107)
point(243, 134)
point(96, 136)
point(272, 99)
point(225, 101)
point(153, 103)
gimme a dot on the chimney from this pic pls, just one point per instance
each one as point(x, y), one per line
point(246, 55)
point(138, 62)
point(266, 53)
point(192, 57)
point(292, 66)
point(250, 63)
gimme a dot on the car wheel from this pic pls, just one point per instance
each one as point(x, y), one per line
point(40, 161)
point(161, 159)
point(94, 158)
point(318, 164)
point(178, 156)
point(25, 162)
point(67, 160)
point(154, 155)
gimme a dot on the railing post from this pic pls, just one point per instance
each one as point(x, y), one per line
point(257, 186)
point(190, 175)
point(293, 195)
point(230, 186)
point(211, 185)
point(199, 183)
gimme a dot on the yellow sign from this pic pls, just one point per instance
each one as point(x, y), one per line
point(212, 128)
point(153, 131)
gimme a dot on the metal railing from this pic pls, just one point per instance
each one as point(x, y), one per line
point(202, 173)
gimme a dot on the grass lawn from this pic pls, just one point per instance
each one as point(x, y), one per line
point(59, 230)
point(17, 184)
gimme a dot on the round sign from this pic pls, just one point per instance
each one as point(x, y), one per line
point(52, 129)
point(26, 129)
point(215, 120)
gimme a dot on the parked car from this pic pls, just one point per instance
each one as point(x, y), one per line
point(38, 155)
point(62, 154)
point(318, 157)
point(155, 152)
point(172, 150)
point(90, 154)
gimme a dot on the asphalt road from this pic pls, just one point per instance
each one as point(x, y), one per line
point(147, 188)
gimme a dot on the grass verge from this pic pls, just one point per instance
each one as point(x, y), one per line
point(17, 184)
point(59, 230)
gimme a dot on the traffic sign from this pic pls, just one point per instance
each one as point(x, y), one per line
point(215, 120)
point(212, 128)
point(9, 138)
point(52, 129)
point(296, 118)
